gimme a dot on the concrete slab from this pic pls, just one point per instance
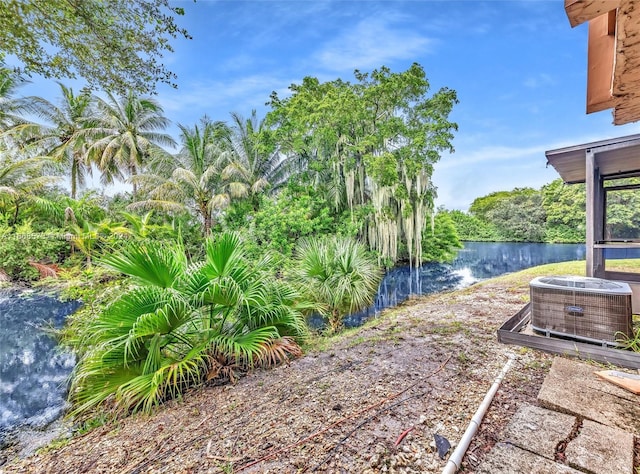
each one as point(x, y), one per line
point(505, 458)
point(572, 387)
point(539, 430)
point(601, 449)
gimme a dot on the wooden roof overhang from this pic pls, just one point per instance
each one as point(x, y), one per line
point(617, 157)
point(613, 59)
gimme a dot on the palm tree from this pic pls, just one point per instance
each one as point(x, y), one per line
point(142, 227)
point(64, 140)
point(88, 236)
point(20, 183)
point(255, 164)
point(195, 182)
point(337, 274)
point(11, 107)
point(125, 133)
point(182, 324)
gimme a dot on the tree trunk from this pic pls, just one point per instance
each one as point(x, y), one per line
point(15, 214)
point(74, 177)
point(206, 218)
point(133, 172)
point(207, 225)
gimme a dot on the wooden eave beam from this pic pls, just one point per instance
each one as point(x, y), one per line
point(581, 11)
point(626, 71)
point(600, 62)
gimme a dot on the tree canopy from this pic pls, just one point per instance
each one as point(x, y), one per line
point(377, 141)
point(352, 159)
point(554, 213)
point(116, 45)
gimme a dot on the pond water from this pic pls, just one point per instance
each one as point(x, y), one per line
point(477, 261)
point(33, 371)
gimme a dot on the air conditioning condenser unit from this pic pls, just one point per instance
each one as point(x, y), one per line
point(588, 309)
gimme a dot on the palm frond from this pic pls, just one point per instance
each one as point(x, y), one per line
point(337, 274)
point(278, 351)
point(238, 189)
point(243, 349)
point(183, 325)
point(156, 263)
point(150, 204)
point(186, 176)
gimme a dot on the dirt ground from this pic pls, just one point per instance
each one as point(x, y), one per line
point(369, 402)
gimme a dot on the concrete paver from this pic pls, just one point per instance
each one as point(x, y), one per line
point(572, 396)
point(601, 449)
point(506, 458)
point(539, 430)
point(573, 387)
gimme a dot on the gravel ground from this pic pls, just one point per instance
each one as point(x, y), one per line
point(370, 401)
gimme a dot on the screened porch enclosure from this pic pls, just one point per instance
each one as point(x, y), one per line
point(610, 170)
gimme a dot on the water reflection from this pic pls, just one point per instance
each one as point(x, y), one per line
point(33, 372)
point(477, 261)
point(491, 259)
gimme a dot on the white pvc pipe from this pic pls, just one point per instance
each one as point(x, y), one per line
point(453, 464)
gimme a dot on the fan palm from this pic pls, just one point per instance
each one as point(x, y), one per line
point(195, 182)
point(125, 133)
point(338, 275)
point(183, 323)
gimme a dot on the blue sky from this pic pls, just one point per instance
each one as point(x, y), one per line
point(518, 67)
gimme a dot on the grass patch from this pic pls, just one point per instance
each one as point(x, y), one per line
point(514, 282)
point(320, 342)
point(92, 423)
point(463, 358)
point(445, 328)
point(577, 267)
point(54, 445)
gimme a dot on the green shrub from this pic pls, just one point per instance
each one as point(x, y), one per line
point(281, 221)
point(20, 245)
point(471, 228)
point(337, 274)
point(180, 324)
point(442, 243)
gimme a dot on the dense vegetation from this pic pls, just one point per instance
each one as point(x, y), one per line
point(181, 323)
point(117, 45)
point(554, 213)
point(334, 158)
point(229, 235)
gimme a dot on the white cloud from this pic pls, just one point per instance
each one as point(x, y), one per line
point(464, 176)
point(371, 43)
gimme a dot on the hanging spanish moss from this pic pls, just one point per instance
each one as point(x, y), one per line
point(378, 138)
